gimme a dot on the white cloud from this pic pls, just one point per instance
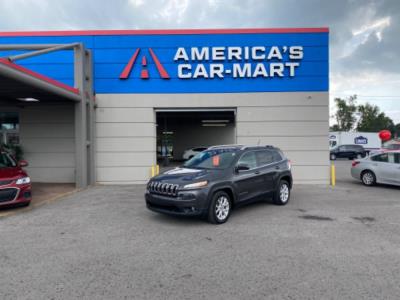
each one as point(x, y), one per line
point(174, 10)
point(137, 3)
point(376, 25)
point(378, 88)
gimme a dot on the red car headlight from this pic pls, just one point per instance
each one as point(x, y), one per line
point(23, 180)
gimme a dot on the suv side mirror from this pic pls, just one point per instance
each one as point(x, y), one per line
point(242, 167)
point(22, 163)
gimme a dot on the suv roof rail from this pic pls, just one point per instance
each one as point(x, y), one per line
point(258, 146)
point(225, 146)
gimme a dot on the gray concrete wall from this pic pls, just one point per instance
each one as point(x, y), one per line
point(298, 123)
point(47, 139)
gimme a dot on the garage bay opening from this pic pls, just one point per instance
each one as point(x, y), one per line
point(182, 133)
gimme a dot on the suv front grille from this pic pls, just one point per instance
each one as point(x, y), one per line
point(8, 194)
point(163, 188)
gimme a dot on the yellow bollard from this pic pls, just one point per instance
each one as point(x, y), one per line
point(157, 169)
point(152, 171)
point(333, 175)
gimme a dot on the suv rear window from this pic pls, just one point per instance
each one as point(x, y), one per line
point(264, 157)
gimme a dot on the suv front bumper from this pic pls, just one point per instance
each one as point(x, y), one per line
point(187, 203)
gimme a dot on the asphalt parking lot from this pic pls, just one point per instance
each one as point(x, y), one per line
point(102, 243)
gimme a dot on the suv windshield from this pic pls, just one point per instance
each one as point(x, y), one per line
point(6, 161)
point(212, 159)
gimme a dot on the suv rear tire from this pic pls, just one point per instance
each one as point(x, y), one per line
point(220, 208)
point(282, 193)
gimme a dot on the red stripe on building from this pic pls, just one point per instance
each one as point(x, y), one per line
point(144, 74)
point(39, 76)
point(160, 68)
point(128, 68)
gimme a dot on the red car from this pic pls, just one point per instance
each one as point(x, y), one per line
point(15, 184)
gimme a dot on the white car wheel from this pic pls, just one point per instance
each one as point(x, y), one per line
point(368, 178)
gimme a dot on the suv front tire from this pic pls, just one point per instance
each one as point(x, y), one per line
point(220, 208)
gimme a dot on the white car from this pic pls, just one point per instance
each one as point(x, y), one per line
point(378, 168)
point(189, 153)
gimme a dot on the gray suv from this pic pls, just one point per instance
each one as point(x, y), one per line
point(219, 179)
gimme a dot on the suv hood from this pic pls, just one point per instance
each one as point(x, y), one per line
point(183, 175)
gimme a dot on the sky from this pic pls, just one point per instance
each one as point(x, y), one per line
point(364, 34)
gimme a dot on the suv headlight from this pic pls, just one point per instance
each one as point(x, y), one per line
point(23, 180)
point(196, 185)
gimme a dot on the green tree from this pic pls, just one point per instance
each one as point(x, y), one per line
point(345, 114)
point(371, 119)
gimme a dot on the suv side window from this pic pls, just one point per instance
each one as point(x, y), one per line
point(248, 159)
point(264, 157)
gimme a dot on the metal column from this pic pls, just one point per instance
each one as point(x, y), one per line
point(84, 118)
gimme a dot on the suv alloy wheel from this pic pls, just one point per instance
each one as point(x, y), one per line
point(220, 208)
point(282, 194)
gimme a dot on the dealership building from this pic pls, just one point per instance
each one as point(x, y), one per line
point(105, 106)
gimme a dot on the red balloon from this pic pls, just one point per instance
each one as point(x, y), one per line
point(385, 135)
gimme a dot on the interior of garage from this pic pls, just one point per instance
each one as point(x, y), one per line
point(47, 121)
point(42, 133)
point(179, 130)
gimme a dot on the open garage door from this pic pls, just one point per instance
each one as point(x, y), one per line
point(192, 130)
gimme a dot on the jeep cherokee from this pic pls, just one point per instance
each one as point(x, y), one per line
point(219, 179)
